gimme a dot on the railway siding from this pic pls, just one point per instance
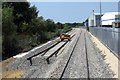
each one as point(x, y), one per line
point(53, 51)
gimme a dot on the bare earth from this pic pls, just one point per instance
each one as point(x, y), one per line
point(10, 73)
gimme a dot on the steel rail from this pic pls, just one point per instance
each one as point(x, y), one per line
point(88, 73)
point(69, 57)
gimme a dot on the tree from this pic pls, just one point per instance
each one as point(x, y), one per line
point(9, 31)
point(22, 27)
point(7, 22)
point(22, 12)
point(50, 25)
point(59, 25)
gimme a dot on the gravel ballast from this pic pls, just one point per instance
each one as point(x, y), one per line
point(77, 66)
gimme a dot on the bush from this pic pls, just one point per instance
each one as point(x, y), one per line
point(10, 45)
point(66, 28)
point(58, 32)
point(24, 27)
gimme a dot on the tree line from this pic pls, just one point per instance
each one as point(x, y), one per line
point(23, 29)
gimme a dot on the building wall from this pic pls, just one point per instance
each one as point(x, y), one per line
point(109, 18)
point(98, 19)
point(90, 21)
point(94, 20)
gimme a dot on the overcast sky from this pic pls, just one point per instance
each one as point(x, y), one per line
point(72, 11)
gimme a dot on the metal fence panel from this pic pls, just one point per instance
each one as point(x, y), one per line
point(110, 37)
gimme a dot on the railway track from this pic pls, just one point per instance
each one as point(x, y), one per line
point(69, 58)
point(98, 68)
point(90, 69)
point(86, 72)
point(77, 63)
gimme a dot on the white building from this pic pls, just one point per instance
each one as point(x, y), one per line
point(109, 18)
point(94, 19)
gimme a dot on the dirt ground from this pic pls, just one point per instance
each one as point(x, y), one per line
point(110, 58)
point(9, 73)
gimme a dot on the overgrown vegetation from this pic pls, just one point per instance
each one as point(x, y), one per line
point(23, 29)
